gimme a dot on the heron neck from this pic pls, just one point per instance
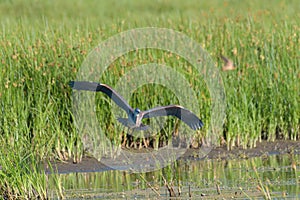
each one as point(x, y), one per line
point(136, 119)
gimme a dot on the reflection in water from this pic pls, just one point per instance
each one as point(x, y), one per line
point(277, 176)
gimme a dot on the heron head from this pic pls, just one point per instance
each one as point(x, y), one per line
point(136, 117)
point(137, 111)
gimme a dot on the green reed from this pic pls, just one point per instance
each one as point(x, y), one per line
point(42, 50)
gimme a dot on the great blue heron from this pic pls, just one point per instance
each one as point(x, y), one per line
point(135, 116)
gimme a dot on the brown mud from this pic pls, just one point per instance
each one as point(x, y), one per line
point(263, 149)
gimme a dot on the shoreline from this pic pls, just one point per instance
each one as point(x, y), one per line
point(263, 149)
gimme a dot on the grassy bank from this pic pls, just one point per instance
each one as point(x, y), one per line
point(43, 44)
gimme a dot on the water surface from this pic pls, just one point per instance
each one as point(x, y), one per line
point(277, 176)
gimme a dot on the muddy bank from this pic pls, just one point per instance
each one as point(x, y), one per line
point(263, 149)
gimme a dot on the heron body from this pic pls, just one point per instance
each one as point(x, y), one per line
point(134, 120)
point(135, 116)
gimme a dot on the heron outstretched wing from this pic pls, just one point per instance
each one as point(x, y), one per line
point(98, 87)
point(178, 111)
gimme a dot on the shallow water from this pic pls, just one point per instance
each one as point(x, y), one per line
point(275, 176)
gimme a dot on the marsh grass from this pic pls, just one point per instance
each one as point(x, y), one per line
point(41, 51)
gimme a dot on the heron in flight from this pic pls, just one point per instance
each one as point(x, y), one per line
point(135, 116)
point(228, 64)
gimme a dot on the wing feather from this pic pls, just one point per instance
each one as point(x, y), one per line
point(178, 111)
point(98, 87)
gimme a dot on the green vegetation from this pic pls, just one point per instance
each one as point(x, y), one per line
point(43, 43)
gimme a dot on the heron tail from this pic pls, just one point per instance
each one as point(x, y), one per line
point(126, 123)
